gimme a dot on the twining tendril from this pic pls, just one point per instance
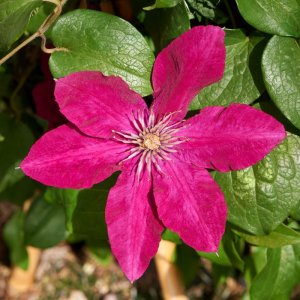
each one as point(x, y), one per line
point(40, 33)
point(153, 140)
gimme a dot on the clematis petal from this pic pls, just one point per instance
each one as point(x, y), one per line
point(190, 203)
point(97, 104)
point(65, 158)
point(133, 229)
point(230, 138)
point(193, 61)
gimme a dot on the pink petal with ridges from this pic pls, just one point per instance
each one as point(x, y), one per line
point(190, 203)
point(133, 229)
point(65, 158)
point(230, 138)
point(97, 104)
point(191, 62)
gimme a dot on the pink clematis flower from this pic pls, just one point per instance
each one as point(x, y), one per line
point(163, 159)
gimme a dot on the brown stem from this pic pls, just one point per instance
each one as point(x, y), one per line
point(169, 277)
point(23, 44)
point(43, 28)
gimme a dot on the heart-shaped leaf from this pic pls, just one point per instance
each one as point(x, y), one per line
point(14, 16)
point(88, 217)
point(279, 276)
point(44, 224)
point(84, 210)
point(281, 71)
point(261, 197)
point(167, 24)
point(275, 17)
point(17, 139)
point(13, 235)
point(101, 42)
point(282, 236)
point(242, 80)
point(67, 198)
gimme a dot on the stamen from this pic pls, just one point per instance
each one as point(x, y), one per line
point(132, 155)
point(165, 120)
point(141, 164)
point(168, 138)
point(151, 119)
point(126, 141)
point(153, 140)
point(135, 124)
point(141, 119)
point(172, 131)
point(148, 162)
point(166, 149)
point(129, 136)
point(163, 156)
point(171, 126)
point(157, 166)
point(175, 143)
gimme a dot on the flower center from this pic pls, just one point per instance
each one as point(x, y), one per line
point(151, 141)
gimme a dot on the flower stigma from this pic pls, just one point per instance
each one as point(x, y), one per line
point(153, 140)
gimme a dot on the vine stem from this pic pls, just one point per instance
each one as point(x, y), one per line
point(40, 33)
point(19, 47)
point(168, 274)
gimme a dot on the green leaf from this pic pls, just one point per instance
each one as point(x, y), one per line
point(275, 17)
point(296, 212)
point(228, 254)
point(281, 71)
point(254, 263)
point(101, 254)
point(107, 44)
point(188, 263)
point(15, 146)
point(39, 16)
point(166, 24)
point(282, 236)
point(207, 9)
point(88, 217)
point(20, 191)
point(13, 235)
point(232, 249)
point(261, 197)
point(219, 258)
point(270, 108)
point(66, 198)
point(84, 211)
point(14, 15)
point(162, 4)
point(259, 255)
point(171, 236)
point(44, 224)
point(242, 80)
point(279, 276)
